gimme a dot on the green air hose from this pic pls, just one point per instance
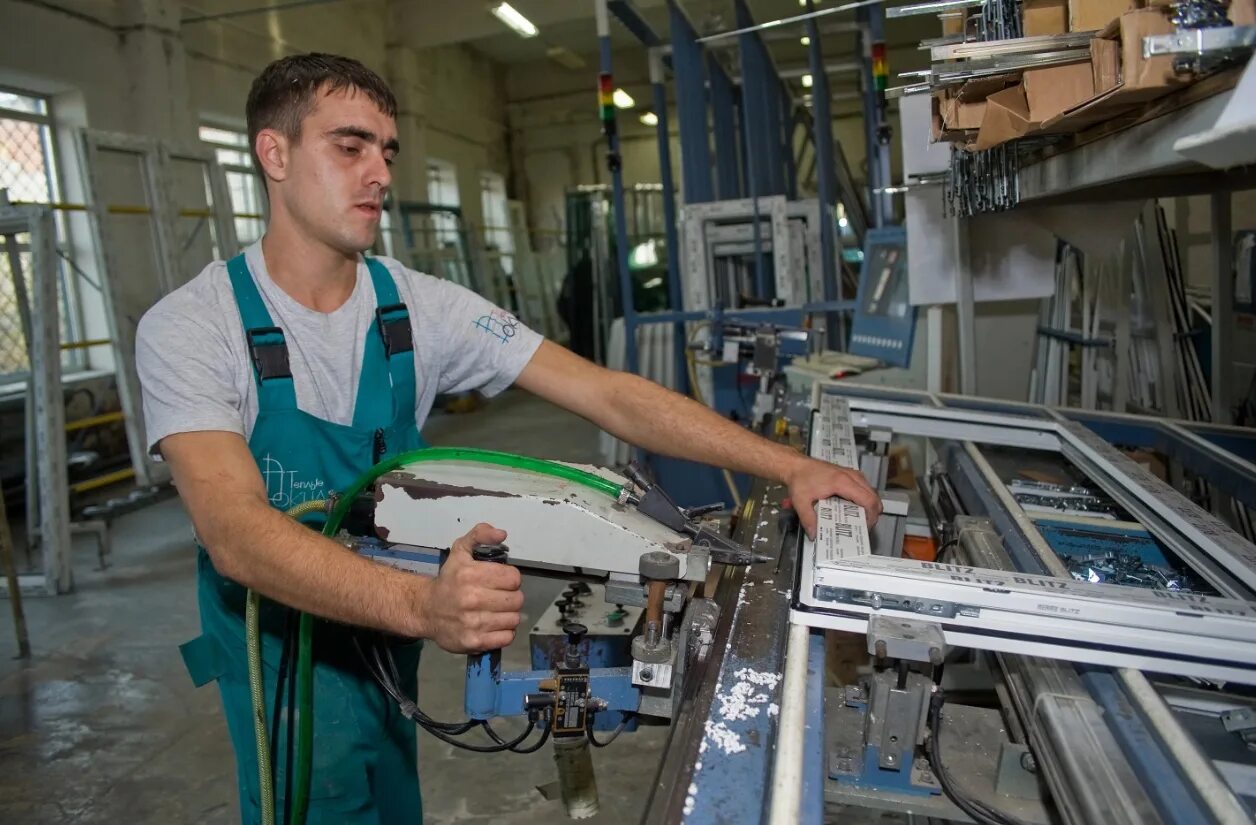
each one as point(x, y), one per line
point(305, 644)
point(257, 689)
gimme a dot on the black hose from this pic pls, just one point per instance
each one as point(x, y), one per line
point(976, 810)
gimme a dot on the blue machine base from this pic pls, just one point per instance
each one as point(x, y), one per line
point(874, 776)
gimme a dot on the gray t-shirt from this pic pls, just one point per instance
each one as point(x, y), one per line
point(196, 375)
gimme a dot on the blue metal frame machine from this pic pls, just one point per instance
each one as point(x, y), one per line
point(737, 140)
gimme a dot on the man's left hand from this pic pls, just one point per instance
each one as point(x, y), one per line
point(813, 480)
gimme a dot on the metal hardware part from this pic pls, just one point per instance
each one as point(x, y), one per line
point(908, 639)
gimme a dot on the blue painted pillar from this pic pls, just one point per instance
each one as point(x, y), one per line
point(724, 128)
point(826, 177)
point(691, 109)
point(787, 141)
point(872, 20)
point(765, 166)
point(863, 50)
point(617, 199)
point(674, 292)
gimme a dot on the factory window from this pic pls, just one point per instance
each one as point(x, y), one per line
point(497, 234)
point(28, 171)
point(442, 190)
point(247, 202)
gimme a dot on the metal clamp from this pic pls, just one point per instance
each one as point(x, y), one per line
point(906, 639)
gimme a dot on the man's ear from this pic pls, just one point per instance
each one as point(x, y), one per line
point(272, 152)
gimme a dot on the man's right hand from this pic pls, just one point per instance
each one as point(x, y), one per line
point(473, 605)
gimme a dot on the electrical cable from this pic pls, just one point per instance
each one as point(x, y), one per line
point(540, 743)
point(593, 740)
point(382, 667)
point(976, 810)
point(533, 748)
point(946, 545)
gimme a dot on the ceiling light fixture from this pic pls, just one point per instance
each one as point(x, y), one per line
point(622, 99)
point(650, 119)
point(806, 81)
point(509, 15)
point(806, 41)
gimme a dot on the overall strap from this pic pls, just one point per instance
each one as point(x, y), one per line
point(392, 323)
point(268, 351)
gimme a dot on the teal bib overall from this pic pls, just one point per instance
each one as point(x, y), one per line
point(364, 752)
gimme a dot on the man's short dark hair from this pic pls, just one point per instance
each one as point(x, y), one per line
point(286, 91)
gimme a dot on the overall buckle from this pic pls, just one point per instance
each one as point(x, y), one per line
point(394, 328)
point(269, 352)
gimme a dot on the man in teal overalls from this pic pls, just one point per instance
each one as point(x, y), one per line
point(276, 378)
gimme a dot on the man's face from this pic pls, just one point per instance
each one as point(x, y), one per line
point(338, 172)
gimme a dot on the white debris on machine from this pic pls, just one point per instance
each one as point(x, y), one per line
point(774, 709)
point(689, 800)
point(742, 701)
point(723, 738)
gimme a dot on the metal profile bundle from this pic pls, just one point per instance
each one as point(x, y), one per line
point(126, 293)
point(749, 161)
point(1196, 404)
point(841, 585)
point(44, 389)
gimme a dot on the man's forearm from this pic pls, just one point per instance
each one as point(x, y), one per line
point(263, 549)
point(662, 421)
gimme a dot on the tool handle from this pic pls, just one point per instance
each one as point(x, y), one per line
point(637, 476)
point(496, 553)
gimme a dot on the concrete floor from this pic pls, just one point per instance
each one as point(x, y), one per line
point(103, 724)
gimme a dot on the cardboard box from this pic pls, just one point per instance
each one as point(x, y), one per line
point(939, 131)
point(1156, 74)
point(1056, 89)
point(980, 88)
point(1153, 462)
point(1041, 17)
point(1123, 78)
point(954, 22)
point(1096, 15)
point(958, 115)
point(1006, 118)
point(1243, 12)
point(963, 108)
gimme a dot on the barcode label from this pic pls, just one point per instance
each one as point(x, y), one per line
point(834, 438)
point(841, 529)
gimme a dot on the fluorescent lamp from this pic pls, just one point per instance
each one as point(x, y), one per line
point(622, 99)
point(806, 81)
point(509, 15)
point(650, 119)
point(806, 41)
